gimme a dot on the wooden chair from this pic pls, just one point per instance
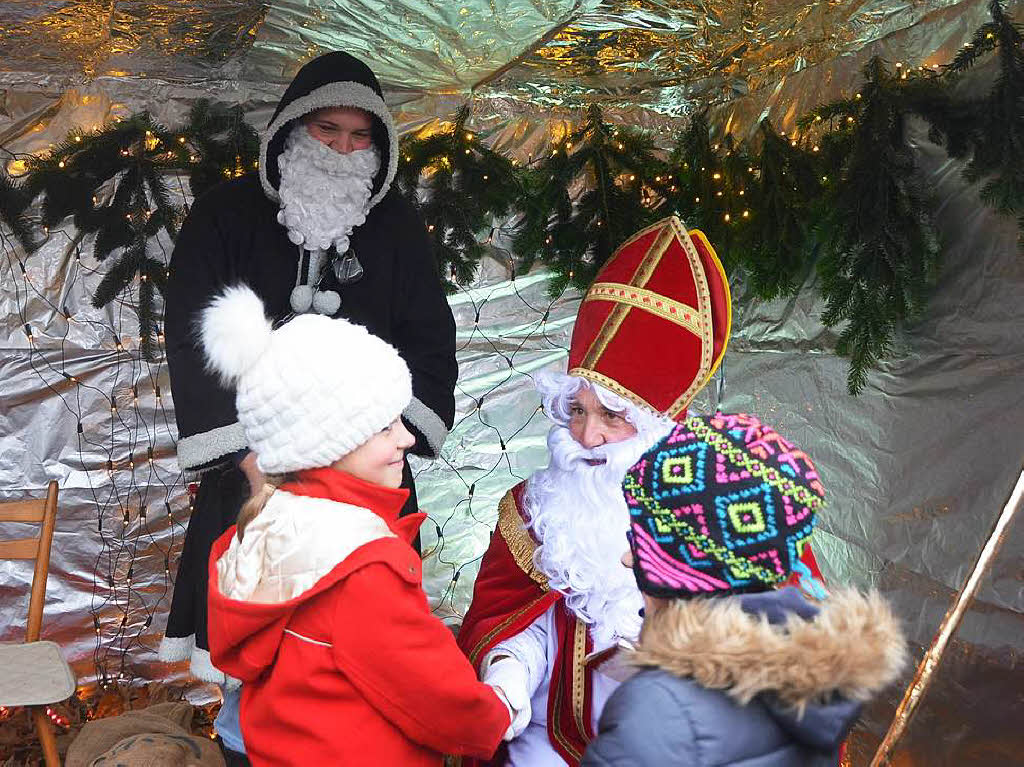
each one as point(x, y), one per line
point(34, 674)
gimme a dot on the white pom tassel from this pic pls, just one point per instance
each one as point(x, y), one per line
point(301, 298)
point(235, 332)
point(326, 302)
point(296, 237)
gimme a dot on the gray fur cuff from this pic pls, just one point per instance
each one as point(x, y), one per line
point(428, 423)
point(202, 448)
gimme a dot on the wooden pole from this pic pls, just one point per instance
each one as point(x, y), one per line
point(933, 657)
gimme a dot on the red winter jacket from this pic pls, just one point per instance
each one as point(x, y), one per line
point(320, 612)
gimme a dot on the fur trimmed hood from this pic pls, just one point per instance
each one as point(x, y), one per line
point(850, 646)
point(335, 79)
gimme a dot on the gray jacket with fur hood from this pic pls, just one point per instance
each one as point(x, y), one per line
point(760, 680)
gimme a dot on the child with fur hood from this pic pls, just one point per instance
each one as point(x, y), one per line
point(315, 599)
point(733, 671)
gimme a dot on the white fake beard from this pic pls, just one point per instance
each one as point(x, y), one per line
point(324, 194)
point(580, 517)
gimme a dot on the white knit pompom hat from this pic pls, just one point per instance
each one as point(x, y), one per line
point(307, 393)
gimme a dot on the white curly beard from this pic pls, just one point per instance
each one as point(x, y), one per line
point(580, 517)
point(324, 194)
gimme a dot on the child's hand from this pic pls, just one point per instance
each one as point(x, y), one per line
point(508, 678)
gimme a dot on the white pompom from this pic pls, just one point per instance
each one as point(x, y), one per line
point(326, 302)
point(341, 244)
point(301, 299)
point(235, 332)
point(296, 237)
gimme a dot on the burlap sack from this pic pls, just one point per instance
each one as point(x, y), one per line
point(157, 736)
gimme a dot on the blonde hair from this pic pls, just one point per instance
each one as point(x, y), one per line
point(258, 500)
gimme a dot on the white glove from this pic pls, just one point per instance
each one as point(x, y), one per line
point(508, 678)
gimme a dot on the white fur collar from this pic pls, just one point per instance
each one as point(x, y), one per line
point(292, 544)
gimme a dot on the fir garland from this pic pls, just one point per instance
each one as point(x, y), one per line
point(13, 202)
point(459, 186)
point(712, 188)
point(616, 168)
point(779, 251)
point(137, 157)
point(995, 138)
point(845, 195)
point(879, 248)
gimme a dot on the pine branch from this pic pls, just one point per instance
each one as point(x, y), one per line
point(616, 168)
point(879, 247)
point(780, 249)
point(121, 274)
point(991, 130)
point(464, 185)
point(713, 188)
point(13, 202)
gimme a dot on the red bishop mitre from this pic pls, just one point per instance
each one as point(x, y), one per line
point(654, 325)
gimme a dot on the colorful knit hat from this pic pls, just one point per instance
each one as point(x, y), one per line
point(722, 504)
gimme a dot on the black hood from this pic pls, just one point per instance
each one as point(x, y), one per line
point(333, 80)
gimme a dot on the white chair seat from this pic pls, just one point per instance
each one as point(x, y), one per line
point(34, 674)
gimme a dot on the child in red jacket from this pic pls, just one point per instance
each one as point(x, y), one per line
point(315, 598)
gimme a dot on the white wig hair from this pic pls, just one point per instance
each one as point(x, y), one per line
point(557, 391)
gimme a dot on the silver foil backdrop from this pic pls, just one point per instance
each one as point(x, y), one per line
point(917, 467)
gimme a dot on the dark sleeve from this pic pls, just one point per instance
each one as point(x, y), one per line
point(424, 335)
point(200, 267)
point(404, 662)
point(643, 723)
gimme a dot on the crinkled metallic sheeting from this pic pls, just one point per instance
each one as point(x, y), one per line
point(916, 467)
point(667, 57)
point(70, 413)
point(425, 45)
point(933, 42)
point(919, 466)
point(126, 37)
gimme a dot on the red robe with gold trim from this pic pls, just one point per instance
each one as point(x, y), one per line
point(509, 595)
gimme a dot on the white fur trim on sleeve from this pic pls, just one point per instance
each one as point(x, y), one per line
point(428, 423)
point(204, 447)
